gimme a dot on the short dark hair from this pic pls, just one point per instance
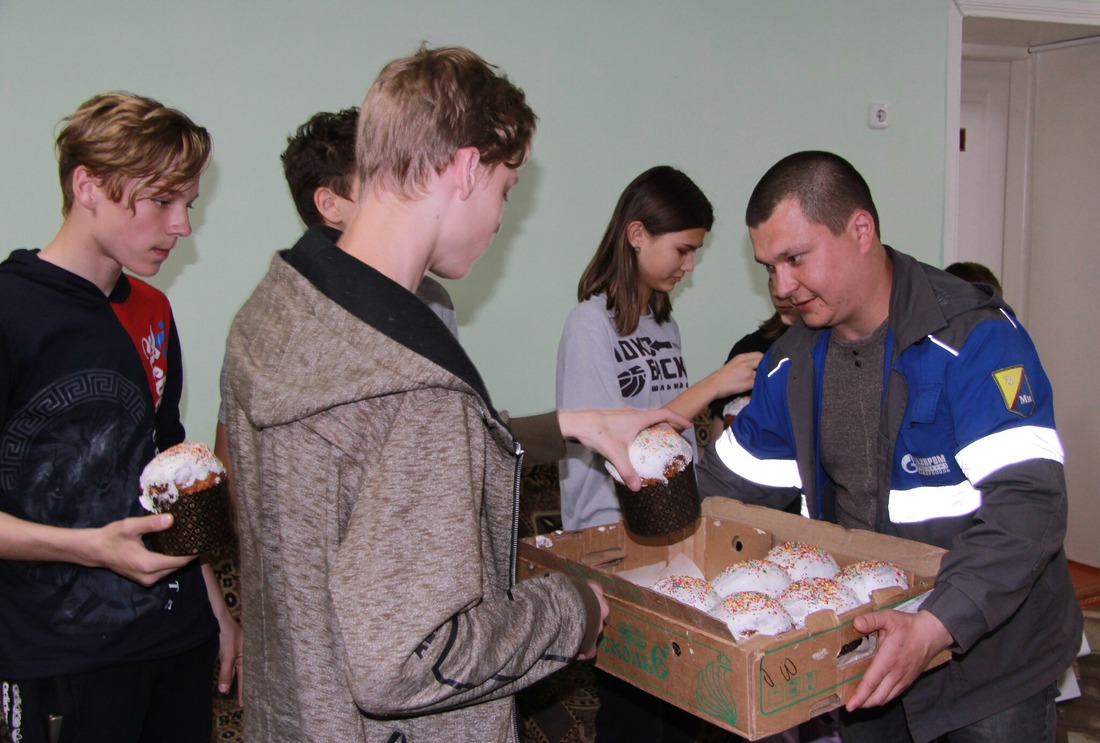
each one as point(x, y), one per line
point(321, 153)
point(828, 189)
point(664, 200)
point(974, 273)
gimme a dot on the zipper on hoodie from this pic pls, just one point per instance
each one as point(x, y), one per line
point(517, 480)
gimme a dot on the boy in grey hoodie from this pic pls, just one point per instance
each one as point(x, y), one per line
point(378, 486)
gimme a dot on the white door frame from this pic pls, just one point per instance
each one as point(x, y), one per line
point(1017, 176)
point(983, 161)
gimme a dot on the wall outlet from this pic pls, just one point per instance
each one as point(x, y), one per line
point(878, 116)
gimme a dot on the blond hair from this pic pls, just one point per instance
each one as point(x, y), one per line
point(424, 108)
point(121, 137)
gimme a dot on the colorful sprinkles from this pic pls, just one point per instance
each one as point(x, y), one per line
point(802, 598)
point(749, 613)
point(801, 560)
point(688, 589)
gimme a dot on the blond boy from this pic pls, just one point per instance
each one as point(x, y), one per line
point(377, 482)
point(98, 635)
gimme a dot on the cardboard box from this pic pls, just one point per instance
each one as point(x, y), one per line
point(757, 687)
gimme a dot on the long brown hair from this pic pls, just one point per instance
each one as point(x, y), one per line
point(664, 200)
point(773, 327)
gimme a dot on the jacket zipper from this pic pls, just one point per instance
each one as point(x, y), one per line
point(516, 485)
point(517, 479)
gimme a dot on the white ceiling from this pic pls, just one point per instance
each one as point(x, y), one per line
point(1005, 32)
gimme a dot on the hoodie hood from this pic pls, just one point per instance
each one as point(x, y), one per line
point(925, 299)
point(26, 263)
point(295, 348)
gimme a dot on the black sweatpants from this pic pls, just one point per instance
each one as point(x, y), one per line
point(159, 701)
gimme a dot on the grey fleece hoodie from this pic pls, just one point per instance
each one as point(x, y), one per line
point(378, 493)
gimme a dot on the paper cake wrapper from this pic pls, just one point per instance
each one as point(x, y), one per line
point(659, 510)
point(202, 523)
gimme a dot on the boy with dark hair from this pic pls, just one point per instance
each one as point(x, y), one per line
point(321, 155)
point(975, 273)
point(377, 482)
point(322, 175)
point(96, 632)
point(320, 169)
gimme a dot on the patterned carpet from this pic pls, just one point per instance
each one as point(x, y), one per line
point(227, 714)
point(560, 708)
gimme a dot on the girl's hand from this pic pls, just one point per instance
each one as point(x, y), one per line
point(737, 375)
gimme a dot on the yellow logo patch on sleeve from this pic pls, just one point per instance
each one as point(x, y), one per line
point(1015, 390)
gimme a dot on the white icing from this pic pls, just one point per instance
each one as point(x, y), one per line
point(763, 576)
point(734, 406)
point(801, 561)
point(803, 598)
point(180, 466)
point(870, 575)
point(652, 451)
point(688, 590)
point(749, 613)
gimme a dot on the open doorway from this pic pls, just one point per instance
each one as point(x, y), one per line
point(1024, 198)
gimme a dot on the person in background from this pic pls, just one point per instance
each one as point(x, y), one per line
point(621, 347)
point(101, 638)
point(377, 483)
point(975, 273)
point(319, 166)
point(909, 403)
point(724, 410)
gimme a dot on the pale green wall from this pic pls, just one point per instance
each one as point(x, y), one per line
point(720, 89)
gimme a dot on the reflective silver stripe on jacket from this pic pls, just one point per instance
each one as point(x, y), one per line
point(776, 473)
point(933, 502)
point(1012, 446)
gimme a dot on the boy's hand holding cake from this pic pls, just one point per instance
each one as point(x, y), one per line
point(668, 499)
point(187, 481)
